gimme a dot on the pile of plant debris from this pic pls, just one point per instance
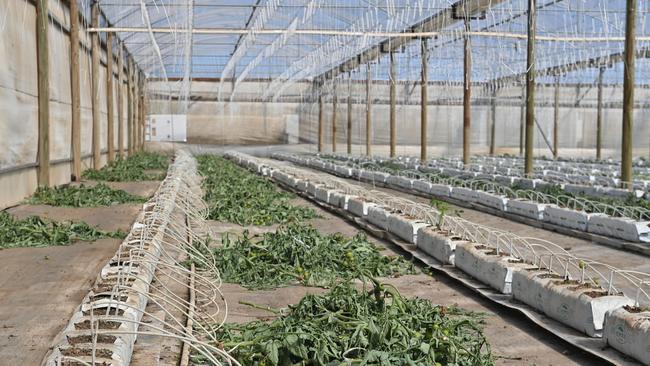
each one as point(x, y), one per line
point(351, 327)
point(83, 196)
point(137, 167)
point(37, 232)
point(237, 195)
point(299, 254)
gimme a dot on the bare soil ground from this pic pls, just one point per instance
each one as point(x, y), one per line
point(41, 287)
point(514, 340)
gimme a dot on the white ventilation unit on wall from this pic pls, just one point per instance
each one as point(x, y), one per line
point(167, 127)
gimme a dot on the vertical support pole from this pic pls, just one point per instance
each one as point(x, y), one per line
point(75, 96)
point(129, 103)
point(136, 109)
point(334, 106)
point(141, 113)
point(120, 104)
point(110, 143)
point(321, 127)
point(522, 121)
point(493, 122)
point(556, 118)
point(599, 115)
point(628, 94)
point(95, 51)
point(368, 111)
point(530, 85)
point(424, 102)
point(349, 114)
point(393, 100)
point(43, 66)
point(467, 94)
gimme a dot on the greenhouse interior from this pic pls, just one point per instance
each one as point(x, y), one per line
point(324, 182)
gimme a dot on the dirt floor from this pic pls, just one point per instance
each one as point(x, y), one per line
point(41, 287)
point(514, 340)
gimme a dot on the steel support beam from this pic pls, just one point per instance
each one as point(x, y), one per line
point(522, 122)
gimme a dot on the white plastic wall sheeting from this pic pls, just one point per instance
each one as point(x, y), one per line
point(629, 333)
point(19, 91)
point(18, 84)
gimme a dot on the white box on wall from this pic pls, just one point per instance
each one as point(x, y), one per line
point(166, 127)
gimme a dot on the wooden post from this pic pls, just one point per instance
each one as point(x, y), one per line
point(467, 95)
point(628, 94)
point(556, 118)
point(141, 114)
point(129, 104)
point(334, 102)
point(349, 114)
point(424, 101)
point(368, 112)
point(136, 109)
point(530, 85)
point(43, 66)
point(599, 115)
point(110, 143)
point(393, 101)
point(95, 52)
point(120, 104)
point(321, 127)
point(493, 122)
point(522, 121)
point(75, 95)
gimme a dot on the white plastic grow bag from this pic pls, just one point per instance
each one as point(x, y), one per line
point(378, 216)
point(629, 333)
point(405, 228)
point(566, 303)
point(619, 227)
point(566, 217)
point(437, 244)
point(492, 200)
point(422, 186)
point(493, 270)
point(441, 190)
point(527, 209)
point(358, 207)
point(464, 194)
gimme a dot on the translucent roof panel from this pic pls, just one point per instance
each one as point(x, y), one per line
point(291, 40)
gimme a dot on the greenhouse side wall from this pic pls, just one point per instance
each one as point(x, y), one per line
point(19, 100)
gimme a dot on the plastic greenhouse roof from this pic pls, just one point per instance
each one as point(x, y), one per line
point(566, 33)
